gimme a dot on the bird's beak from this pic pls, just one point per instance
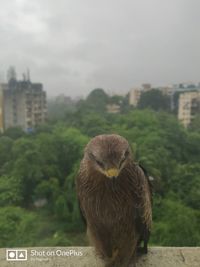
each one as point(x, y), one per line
point(113, 172)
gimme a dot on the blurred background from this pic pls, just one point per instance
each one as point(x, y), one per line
point(71, 70)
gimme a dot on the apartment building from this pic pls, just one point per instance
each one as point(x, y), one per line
point(189, 106)
point(134, 96)
point(113, 108)
point(1, 110)
point(146, 87)
point(23, 104)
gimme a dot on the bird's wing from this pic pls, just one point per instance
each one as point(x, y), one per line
point(146, 198)
point(149, 180)
point(143, 199)
point(78, 193)
point(82, 213)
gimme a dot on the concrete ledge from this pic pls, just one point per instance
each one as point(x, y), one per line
point(85, 257)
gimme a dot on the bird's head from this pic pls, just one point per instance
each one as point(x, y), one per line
point(108, 154)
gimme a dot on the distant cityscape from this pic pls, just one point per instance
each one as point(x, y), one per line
point(188, 104)
point(24, 103)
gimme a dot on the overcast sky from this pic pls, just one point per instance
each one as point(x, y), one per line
point(74, 46)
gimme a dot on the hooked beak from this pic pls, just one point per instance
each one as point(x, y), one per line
point(113, 172)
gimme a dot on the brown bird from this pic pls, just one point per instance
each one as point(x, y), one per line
point(115, 196)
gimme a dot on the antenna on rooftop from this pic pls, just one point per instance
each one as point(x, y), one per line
point(28, 75)
point(11, 74)
point(24, 76)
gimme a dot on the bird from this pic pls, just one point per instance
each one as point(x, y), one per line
point(115, 199)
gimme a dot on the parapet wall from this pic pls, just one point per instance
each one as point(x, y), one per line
point(85, 257)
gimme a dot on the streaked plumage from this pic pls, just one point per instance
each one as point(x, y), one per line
point(115, 200)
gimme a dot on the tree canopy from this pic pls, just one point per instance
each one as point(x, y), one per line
point(38, 204)
point(154, 99)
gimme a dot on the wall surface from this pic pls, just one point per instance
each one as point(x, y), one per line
point(85, 257)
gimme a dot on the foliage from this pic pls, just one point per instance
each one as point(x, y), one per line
point(195, 125)
point(96, 101)
point(17, 227)
point(5, 150)
point(14, 132)
point(10, 191)
point(154, 99)
point(186, 184)
point(173, 226)
point(59, 107)
point(37, 174)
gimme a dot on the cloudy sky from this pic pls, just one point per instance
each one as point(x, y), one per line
point(73, 46)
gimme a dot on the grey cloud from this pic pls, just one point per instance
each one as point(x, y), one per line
point(75, 46)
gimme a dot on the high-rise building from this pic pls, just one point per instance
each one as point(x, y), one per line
point(146, 87)
point(189, 106)
point(134, 96)
point(1, 109)
point(23, 104)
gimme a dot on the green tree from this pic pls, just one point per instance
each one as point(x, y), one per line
point(195, 124)
point(10, 190)
point(18, 227)
point(58, 108)
point(175, 224)
point(14, 132)
point(185, 183)
point(96, 101)
point(154, 99)
point(43, 166)
point(6, 144)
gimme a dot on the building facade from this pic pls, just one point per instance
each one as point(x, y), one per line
point(189, 106)
point(134, 96)
point(146, 87)
point(113, 108)
point(1, 110)
point(24, 105)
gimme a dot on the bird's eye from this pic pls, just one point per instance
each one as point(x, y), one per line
point(92, 156)
point(122, 161)
point(126, 153)
point(124, 157)
point(97, 161)
point(100, 163)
